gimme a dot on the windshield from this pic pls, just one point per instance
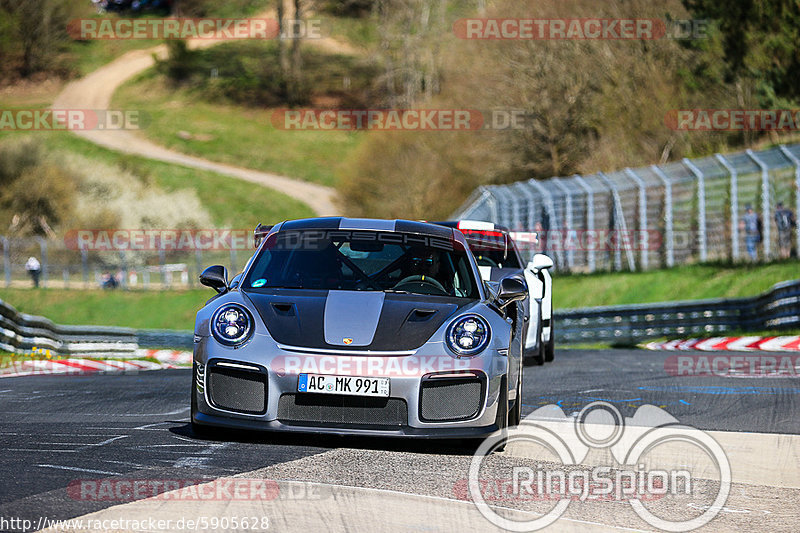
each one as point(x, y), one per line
point(492, 248)
point(363, 261)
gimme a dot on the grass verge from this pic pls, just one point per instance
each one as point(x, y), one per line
point(176, 309)
point(133, 309)
point(691, 282)
point(235, 134)
point(230, 202)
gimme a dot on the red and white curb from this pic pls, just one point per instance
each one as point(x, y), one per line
point(731, 344)
point(175, 357)
point(77, 366)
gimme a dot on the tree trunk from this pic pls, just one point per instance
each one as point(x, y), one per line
point(283, 56)
point(297, 59)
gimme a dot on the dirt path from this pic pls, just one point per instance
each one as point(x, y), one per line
point(95, 90)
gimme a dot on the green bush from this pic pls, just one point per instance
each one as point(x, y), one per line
point(248, 73)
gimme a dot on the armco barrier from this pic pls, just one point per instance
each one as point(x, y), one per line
point(776, 309)
point(20, 332)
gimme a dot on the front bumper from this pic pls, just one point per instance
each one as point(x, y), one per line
point(406, 373)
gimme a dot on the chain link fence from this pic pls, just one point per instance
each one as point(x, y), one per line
point(651, 217)
point(63, 266)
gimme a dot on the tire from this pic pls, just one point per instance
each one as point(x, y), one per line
point(550, 347)
point(534, 356)
point(502, 413)
point(515, 413)
point(198, 430)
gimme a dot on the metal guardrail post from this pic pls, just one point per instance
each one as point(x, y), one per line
point(668, 218)
point(796, 162)
point(551, 212)
point(234, 269)
point(124, 268)
point(492, 201)
point(531, 200)
point(619, 226)
point(6, 260)
point(701, 208)
point(198, 258)
point(765, 203)
point(642, 216)
point(734, 174)
point(85, 266)
point(162, 261)
point(590, 258)
point(568, 216)
point(45, 266)
point(506, 207)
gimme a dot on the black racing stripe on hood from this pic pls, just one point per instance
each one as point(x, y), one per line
point(297, 318)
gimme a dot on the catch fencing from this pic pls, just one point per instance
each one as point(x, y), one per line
point(63, 266)
point(776, 309)
point(650, 217)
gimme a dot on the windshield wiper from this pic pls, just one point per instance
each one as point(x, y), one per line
point(396, 291)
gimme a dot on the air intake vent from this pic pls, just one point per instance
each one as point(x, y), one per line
point(326, 409)
point(237, 389)
point(451, 399)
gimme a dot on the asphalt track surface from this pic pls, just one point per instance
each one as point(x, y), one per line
point(57, 430)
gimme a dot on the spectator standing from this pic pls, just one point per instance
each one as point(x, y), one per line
point(34, 269)
point(785, 222)
point(751, 224)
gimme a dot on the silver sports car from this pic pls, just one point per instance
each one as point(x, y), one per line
point(357, 326)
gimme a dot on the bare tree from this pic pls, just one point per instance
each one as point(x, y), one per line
point(411, 33)
point(295, 78)
point(283, 57)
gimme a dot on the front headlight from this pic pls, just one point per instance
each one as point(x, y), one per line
point(468, 335)
point(231, 325)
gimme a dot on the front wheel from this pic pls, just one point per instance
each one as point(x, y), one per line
point(550, 347)
point(534, 356)
point(515, 414)
point(502, 414)
point(197, 430)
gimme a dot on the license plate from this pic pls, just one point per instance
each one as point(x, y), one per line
point(347, 385)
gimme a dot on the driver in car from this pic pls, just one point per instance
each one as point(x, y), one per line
point(424, 267)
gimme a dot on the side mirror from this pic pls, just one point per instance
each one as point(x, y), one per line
point(215, 277)
point(540, 262)
point(235, 281)
point(511, 290)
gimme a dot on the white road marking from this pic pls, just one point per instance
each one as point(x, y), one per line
point(108, 441)
point(148, 427)
point(191, 461)
point(76, 469)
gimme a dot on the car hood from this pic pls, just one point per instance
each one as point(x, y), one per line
point(353, 320)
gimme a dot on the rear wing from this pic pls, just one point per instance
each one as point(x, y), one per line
point(259, 233)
